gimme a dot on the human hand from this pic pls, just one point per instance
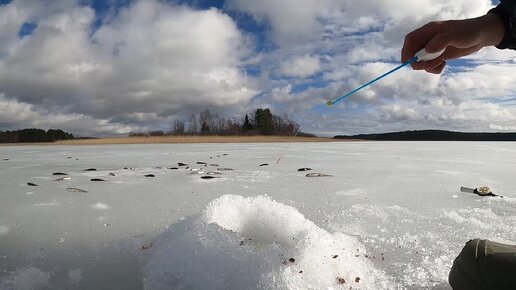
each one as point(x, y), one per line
point(458, 37)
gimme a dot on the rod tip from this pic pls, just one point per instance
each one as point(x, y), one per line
point(329, 103)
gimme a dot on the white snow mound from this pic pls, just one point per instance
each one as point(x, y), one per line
point(257, 243)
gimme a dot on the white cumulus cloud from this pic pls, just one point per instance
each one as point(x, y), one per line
point(149, 58)
point(302, 66)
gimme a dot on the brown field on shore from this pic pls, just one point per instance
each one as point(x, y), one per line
point(188, 139)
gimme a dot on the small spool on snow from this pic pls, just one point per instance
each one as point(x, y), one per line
point(483, 190)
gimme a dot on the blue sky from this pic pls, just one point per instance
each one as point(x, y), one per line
point(111, 67)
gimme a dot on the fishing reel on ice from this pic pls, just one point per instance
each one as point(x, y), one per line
point(482, 191)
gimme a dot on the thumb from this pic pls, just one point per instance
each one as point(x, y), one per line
point(439, 42)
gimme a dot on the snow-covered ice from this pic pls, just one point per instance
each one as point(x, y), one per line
point(391, 216)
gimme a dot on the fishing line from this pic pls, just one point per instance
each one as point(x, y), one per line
point(284, 150)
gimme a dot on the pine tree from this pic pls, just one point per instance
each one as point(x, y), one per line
point(263, 119)
point(205, 128)
point(247, 124)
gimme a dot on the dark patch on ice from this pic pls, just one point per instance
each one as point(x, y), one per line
point(213, 173)
point(97, 179)
point(173, 168)
point(215, 165)
point(200, 162)
point(209, 177)
point(150, 175)
point(6, 159)
point(225, 154)
point(75, 189)
point(315, 174)
point(181, 164)
point(224, 169)
point(31, 184)
point(148, 246)
point(290, 260)
point(304, 169)
point(90, 169)
point(59, 173)
point(264, 164)
point(111, 174)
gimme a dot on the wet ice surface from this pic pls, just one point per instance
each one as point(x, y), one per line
point(391, 214)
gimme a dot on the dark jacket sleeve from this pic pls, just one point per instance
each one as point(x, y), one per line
point(507, 12)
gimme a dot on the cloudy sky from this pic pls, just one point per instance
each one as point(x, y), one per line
point(102, 68)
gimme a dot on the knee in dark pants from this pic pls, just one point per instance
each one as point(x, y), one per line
point(484, 264)
point(464, 273)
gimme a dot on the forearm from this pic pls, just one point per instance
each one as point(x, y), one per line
point(493, 29)
point(506, 13)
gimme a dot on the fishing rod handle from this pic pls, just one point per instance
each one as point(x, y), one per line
point(467, 189)
point(423, 55)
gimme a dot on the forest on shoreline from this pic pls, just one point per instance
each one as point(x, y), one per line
point(34, 135)
point(432, 135)
point(260, 122)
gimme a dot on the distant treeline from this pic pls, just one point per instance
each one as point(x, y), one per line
point(34, 135)
point(433, 135)
point(261, 122)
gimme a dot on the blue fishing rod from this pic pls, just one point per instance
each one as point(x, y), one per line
point(421, 55)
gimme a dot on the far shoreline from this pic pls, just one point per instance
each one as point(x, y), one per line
point(183, 140)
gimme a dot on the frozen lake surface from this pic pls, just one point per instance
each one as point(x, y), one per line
point(390, 216)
